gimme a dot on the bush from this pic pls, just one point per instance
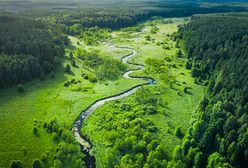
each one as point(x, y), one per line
point(188, 65)
point(16, 164)
point(20, 88)
point(55, 137)
point(179, 54)
point(178, 132)
point(35, 131)
point(37, 163)
point(73, 63)
point(93, 80)
point(71, 56)
point(67, 68)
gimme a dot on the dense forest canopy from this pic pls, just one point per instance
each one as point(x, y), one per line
point(217, 48)
point(28, 49)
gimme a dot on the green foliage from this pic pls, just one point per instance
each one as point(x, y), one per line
point(68, 152)
point(129, 137)
point(157, 68)
point(68, 68)
point(221, 58)
point(16, 164)
point(154, 30)
point(37, 163)
point(104, 67)
point(179, 54)
point(35, 131)
point(198, 160)
point(177, 153)
point(27, 48)
point(216, 160)
point(178, 132)
point(94, 35)
point(20, 88)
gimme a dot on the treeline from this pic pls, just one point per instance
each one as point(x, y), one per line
point(216, 46)
point(115, 18)
point(90, 35)
point(119, 17)
point(28, 48)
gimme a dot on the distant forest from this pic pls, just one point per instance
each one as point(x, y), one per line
point(32, 41)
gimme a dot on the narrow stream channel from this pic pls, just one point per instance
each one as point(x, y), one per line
point(85, 143)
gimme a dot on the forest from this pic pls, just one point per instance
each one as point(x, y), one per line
point(134, 84)
point(28, 49)
point(218, 136)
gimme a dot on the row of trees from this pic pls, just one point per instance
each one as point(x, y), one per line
point(216, 46)
point(28, 49)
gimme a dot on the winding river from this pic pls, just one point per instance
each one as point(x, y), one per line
point(85, 144)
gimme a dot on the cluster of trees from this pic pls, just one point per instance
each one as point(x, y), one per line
point(104, 67)
point(216, 46)
point(158, 69)
point(28, 48)
point(93, 35)
point(68, 153)
point(128, 136)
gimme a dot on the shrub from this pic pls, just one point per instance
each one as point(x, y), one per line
point(16, 164)
point(37, 163)
point(71, 56)
point(178, 132)
point(55, 137)
point(86, 77)
point(67, 68)
point(20, 88)
point(188, 65)
point(35, 131)
point(179, 54)
point(73, 63)
point(66, 84)
point(186, 90)
point(150, 110)
point(93, 80)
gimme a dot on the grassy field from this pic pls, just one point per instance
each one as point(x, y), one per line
point(46, 100)
point(180, 108)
